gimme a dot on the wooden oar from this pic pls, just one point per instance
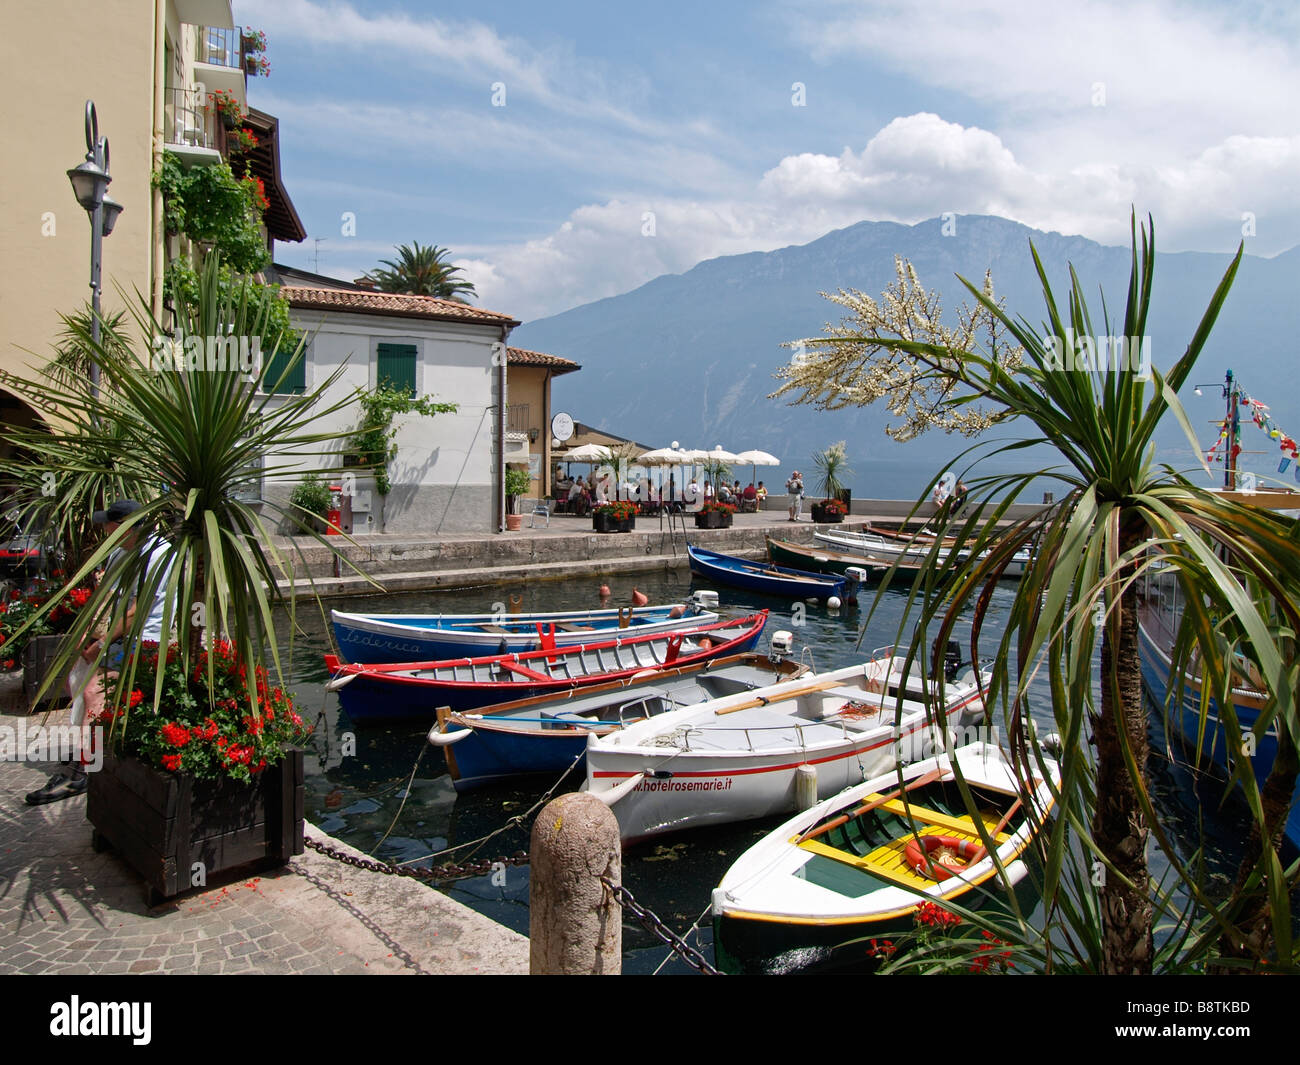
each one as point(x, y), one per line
point(749, 704)
point(866, 808)
point(979, 854)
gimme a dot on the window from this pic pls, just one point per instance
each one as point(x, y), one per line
point(395, 366)
point(297, 379)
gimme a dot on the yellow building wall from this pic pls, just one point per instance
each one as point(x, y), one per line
point(56, 54)
point(528, 384)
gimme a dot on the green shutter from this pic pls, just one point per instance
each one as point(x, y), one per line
point(397, 367)
point(297, 379)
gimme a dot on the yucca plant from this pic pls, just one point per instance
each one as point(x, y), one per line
point(1119, 516)
point(189, 429)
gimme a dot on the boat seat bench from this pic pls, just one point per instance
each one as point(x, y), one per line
point(948, 822)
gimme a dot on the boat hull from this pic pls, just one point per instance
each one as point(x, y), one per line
point(373, 693)
point(424, 638)
point(763, 578)
point(548, 736)
point(1185, 723)
point(685, 784)
point(817, 889)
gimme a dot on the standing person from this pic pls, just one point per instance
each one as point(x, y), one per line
point(70, 780)
point(794, 486)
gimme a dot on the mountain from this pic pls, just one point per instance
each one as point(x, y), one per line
point(690, 357)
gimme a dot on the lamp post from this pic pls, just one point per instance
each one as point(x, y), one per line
point(1232, 422)
point(90, 181)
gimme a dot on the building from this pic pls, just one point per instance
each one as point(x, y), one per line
point(150, 69)
point(449, 472)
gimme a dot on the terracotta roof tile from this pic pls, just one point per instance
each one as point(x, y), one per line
point(325, 299)
point(524, 357)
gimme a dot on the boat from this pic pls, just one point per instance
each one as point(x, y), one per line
point(1159, 616)
point(770, 579)
point(740, 758)
point(548, 733)
point(859, 865)
point(818, 559)
point(918, 551)
point(392, 691)
point(426, 637)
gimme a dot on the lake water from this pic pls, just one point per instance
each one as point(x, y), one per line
point(392, 798)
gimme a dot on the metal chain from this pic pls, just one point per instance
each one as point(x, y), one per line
point(652, 923)
point(449, 871)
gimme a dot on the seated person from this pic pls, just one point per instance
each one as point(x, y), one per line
point(749, 492)
point(761, 493)
point(724, 493)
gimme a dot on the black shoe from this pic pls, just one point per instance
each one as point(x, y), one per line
point(70, 780)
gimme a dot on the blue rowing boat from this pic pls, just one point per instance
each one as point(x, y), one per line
point(428, 637)
point(768, 578)
point(548, 734)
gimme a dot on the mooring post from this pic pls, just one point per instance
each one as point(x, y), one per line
point(575, 926)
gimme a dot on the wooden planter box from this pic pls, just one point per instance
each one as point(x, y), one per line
point(163, 823)
point(37, 658)
point(821, 514)
point(713, 519)
point(603, 523)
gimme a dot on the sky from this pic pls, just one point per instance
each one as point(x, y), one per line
point(570, 151)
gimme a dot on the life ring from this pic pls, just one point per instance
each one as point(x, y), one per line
point(922, 864)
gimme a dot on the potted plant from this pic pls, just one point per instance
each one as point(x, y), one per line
point(207, 780)
point(715, 515)
point(257, 64)
point(517, 483)
point(829, 510)
point(225, 103)
point(619, 516)
point(832, 467)
point(31, 630)
point(241, 140)
point(313, 497)
point(252, 41)
point(201, 555)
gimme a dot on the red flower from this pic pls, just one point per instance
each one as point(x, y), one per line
point(176, 735)
point(171, 762)
point(136, 696)
point(934, 916)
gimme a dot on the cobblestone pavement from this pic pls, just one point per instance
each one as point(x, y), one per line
point(66, 909)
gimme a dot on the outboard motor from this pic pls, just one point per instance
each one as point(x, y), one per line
point(951, 661)
point(782, 643)
point(854, 577)
point(704, 599)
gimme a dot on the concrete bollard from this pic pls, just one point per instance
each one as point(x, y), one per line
point(574, 926)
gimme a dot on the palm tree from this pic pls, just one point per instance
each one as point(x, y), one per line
point(422, 271)
point(1082, 588)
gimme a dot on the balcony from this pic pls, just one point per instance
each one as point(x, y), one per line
point(219, 61)
point(191, 128)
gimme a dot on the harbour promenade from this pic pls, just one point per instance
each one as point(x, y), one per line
point(566, 546)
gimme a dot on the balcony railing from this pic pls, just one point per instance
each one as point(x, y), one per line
point(219, 47)
point(190, 121)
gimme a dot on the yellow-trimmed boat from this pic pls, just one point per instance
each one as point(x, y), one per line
point(858, 865)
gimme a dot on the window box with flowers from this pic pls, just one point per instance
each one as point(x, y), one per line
point(614, 517)
point(205, 784)
point(829, 510)
point(255, 65)
point(252, 41)
point(715, 515)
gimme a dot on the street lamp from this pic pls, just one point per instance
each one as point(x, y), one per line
point(1232, 422)
point(90, 181)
